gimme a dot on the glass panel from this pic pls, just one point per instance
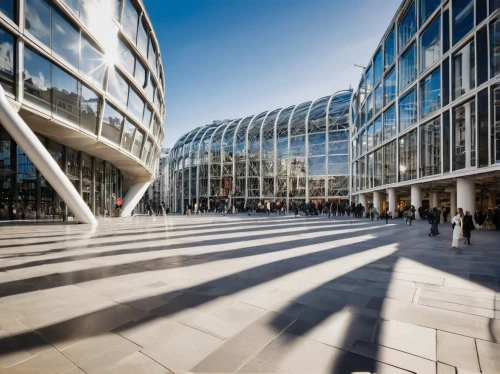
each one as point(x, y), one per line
point(111, 124)
point(446, 30)
point(8, 7)
point(481, 10)
point(378, 66)
point(152, 57)
point(142, 38)
point(7, 61)
point(426, 8)
point(73, 5)
point(89, 108)
point(408, 156)
point(117, 87)
point(482, 56)
point(378, 168)
point(140, 73)
point(495, 47)
point(445, 88)
point(463, 18)
point(464, 135)
point(407, 68)
point(430, 45)
point(38, 20)
point(64, 95)
point(430, 93)
point(389, 48)
point(369, 138)
point(390, 123)
point(494, 5)
point(430, 148)
point(463, 63)
point(369, 80)
point(369, 108)
point(146, 121)
point(407, 27)
point(126, 58)
point(65, 39)
point(408, 110)
point(446, 142)
point(150, 89)
point(136, 149)
point(317, 165)
point(128, 136)
point(130, 20)
point(135, 104)
point(495, 127)
point(390, 87)
point(482, 104)
point(37, 87)
point(377, 136)
point(146, 150)
point(379, 99)
point(92, 63)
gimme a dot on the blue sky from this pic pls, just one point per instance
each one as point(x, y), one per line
point(233, 58)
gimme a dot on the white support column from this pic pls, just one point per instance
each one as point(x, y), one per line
point(416, 199)
point(134, 194)
point(43, 161)
point(391, 199)
point(433, 200)
point(376, 201)
point(453, 202)
point(466, 194)
point(362, 199)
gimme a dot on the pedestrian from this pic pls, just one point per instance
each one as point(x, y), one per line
point(149, 208)
point(412, 214)
point(434, 219)
point(386, 214)
point(456, 224)
point(468, 227)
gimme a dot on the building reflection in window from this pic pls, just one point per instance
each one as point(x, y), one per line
point(408, 156)
point(430, 148)
point(7, 58)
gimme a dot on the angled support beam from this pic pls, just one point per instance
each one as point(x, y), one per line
point(41, 158)
point(134, 194)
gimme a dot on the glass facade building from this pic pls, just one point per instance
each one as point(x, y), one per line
point(298, 153)
point(436, 131)
point(86, 77)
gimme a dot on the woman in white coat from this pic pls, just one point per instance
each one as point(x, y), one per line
point(457, 227)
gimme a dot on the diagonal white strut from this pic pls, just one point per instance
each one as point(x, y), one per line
point(41, 158)
point(134, 194)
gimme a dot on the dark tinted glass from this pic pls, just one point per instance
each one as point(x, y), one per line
point(446, 30)
point(445, 88)
point(480, 11)
point(482, 56)
point(494, 5)
point(426, 8)
point(8, 7)
point(446, 142)
point(7, 64)
point(482, 103)
point(463, 18)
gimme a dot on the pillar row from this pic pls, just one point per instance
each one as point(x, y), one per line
point(362, 199)
point(466, 194)
point(391, 197)
point(416, 199)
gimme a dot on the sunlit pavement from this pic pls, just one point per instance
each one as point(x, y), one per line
point(247, 294)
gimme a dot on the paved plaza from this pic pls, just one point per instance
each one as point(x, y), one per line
point(247, 294)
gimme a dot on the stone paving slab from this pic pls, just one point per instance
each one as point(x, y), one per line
point(240, 294)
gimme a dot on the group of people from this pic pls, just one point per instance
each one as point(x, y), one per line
point(463, 225)
point(162, 209)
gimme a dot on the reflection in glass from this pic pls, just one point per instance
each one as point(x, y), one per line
point(463, 70)
point(37, 87)
point(73, 5)
point(130, 20)
point(136, 148)
point(407, 68)
point(140, 73)
point(464, 135)
point(446, 142)
point(117, 87)
point(408, 110)
point(135, 105)
point(317, 144)
point(152, 58)
point(369, 108)
point(377, 132)
point(463, 18)
point(317, 165)
point(64, 95)
point(128, 136)
point(7, 60)
point(92, 63)
point(125, 57)
point(111, 124)
point(89, 108)
point(427, 7)
point(407, 27)
point(430, 45)
point(369, 80)
point(390, 87)
point(8, 7)
point(65, 39)
point(369, 138)
point(389, 48)
point(495, 47)
point(408, 156)
point(150, 89)
point(142, 38)
point(390, 163)
point(378, 167)
point(430, 148)
point(379, 99)
point(378, 66)
point(430, 93)
point(390, 123)
point(37, 20)
point(147, 149)
point(146, 121)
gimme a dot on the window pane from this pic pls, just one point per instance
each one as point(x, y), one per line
point(117, 87)
point(369, 108)
point(390, 123)
point(495, 47)
point(430, 93)
point(317, 165)
point(146, 150)
point(378, 98)
point(446, 142)
point(430, 148)
point(480, 10)
point(427, 7)
point(494, 5)
point(390, 163)
point(408, 110)
point(408, 156)
point(136, 149)
point(407, 68)
point(150, 89)
point(8, 7)
point(146, 121)
point(140, 73)
point(38, 20)
point(135, 105)
point(482, 56)
point(65, 39)
point(37, 79)
point(73, 5)
point(390, 87)
point(126, 58)
point(482, 103)
point(92, 62)
point(64, 95)
point(142, 39)
point(463, 18)
point(463, 70)
point(446, 30)
point(464, 135)
point(89, 108)
point(378, 66)
point(111, 124)
point(369, 138)
point(152, 58)
point(7, 61)
point(407, 27)
point(130, 20)
point(369, 80)
point(128, 136)
point(430, 45)
point(446, 81)
point(377, 131)
point(389, 48)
